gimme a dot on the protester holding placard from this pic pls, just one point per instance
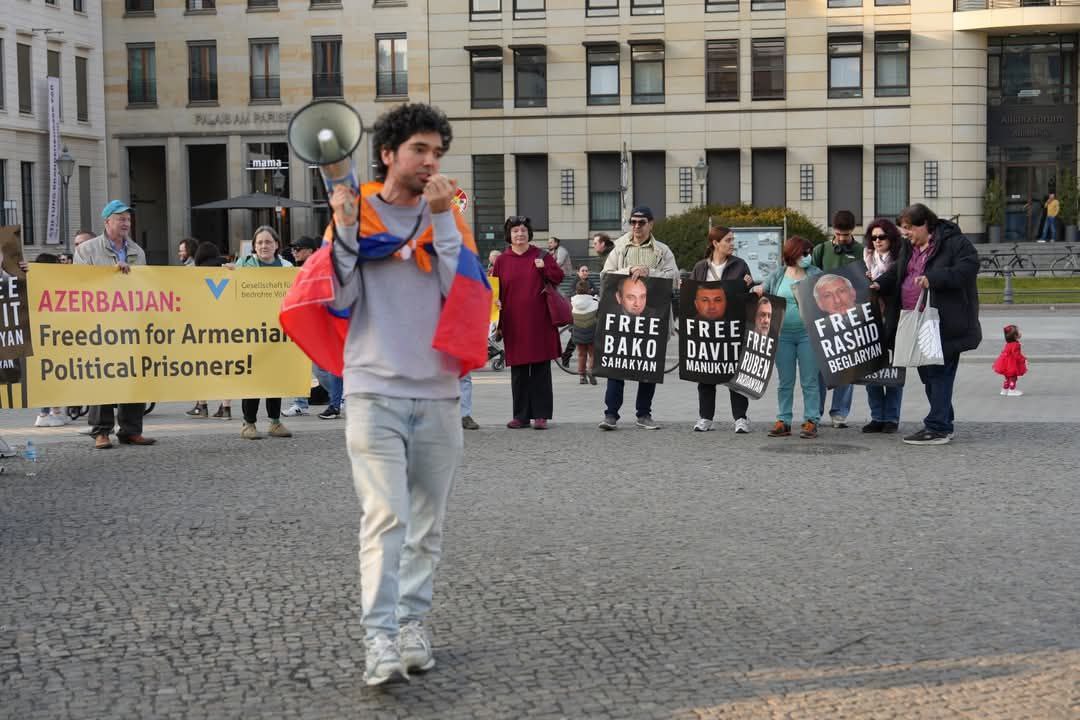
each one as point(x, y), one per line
point(267, 253)
point(843, 250)
point(939, 258)
point(637, 254)
point(115, 247)
point(719, 262)
point(530, 339)
point(793, 350)
point(880, 254)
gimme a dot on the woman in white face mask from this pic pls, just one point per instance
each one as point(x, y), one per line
point(793, 349)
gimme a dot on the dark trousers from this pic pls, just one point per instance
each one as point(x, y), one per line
point(613, 397)
point(251, 409)
point(530, 386)
point(130, 416)
point(938, 381)
point(706, 402)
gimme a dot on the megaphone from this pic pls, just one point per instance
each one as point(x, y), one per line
point(326, 133)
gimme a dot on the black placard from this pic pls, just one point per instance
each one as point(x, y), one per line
point(764, 318)
point(633, 323)
point(712, 321)
point(843, 322)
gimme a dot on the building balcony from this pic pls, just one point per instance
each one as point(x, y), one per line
point(1016, 15)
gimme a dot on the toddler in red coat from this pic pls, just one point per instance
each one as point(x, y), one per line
point(1011, 362)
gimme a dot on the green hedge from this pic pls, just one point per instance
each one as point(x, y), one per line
point(686, 233)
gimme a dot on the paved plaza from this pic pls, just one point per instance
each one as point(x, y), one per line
point(632, 574)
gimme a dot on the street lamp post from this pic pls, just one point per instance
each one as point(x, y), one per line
point(66, 165)
point(701, 172)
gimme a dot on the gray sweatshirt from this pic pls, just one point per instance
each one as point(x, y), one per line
point(395, 308)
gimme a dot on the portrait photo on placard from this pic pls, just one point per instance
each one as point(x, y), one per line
point(764, 316)
point(843, 322)
point(633, 324)
point(712, 318)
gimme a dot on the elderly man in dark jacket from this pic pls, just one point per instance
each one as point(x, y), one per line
point(938, 257)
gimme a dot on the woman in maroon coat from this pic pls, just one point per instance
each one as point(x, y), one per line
point(530, 340)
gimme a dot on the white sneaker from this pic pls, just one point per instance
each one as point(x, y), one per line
point(383, 662)
point(294, 411)
point(64, 419)
point(1016, 393)
point(1004, 391)
point(48, 421)
point(414, 646)
point(742, 426)
point(703, 425)
point(839, 421)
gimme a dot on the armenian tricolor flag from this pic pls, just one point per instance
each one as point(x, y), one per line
point(462, 329)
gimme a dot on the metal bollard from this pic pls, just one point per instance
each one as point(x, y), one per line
point(1007, 298)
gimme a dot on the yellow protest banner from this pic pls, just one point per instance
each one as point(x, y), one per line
point(156, 334)
point(495, 306)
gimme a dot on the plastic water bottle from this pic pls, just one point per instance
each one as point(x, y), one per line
point(31, 455)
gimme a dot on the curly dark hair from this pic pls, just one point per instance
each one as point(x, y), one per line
point(891, 232)
point(398, 125)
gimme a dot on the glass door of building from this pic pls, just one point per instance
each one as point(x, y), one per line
point(1026, 190)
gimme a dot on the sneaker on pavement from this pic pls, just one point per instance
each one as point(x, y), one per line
point(928, 437)
point(703, 425)
point(468, 423)
point(742, 426)
point(809, 430)
point(276, 429)
point(645, 422)
point(839, 421)
point(889, 427)
point(874, 426)
point(197, 411)
point(414, 646)
point(1004, 391)
point(516, 424)
point(294, 410)
point(223, 413)
point(780, 429)
point(48, 421)
point(1016, 393)
point(330, 413)
point(383, 662)
point(539, 424)
point(248, 432)
point(610, 422)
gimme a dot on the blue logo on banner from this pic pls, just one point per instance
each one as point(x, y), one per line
point(217, 288)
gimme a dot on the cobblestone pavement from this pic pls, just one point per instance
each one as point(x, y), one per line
point(633, 574)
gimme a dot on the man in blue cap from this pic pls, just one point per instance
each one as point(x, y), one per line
point(115, 247)
point(637, 254)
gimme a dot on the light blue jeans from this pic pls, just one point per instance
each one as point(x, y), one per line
point(466, 395)
point(794, 350)
point(404, 454)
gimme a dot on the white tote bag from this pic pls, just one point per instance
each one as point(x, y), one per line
point(918, 336)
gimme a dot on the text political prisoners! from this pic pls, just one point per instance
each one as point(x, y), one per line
point(146, 365)
point(855, 340)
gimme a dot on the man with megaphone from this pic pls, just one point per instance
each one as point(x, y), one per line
point(414, 319)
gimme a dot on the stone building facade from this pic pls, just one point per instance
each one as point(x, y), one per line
point(38, 40)
point(573, 111)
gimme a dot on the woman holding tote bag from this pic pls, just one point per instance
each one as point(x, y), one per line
point(530, 338)
point(940, 259)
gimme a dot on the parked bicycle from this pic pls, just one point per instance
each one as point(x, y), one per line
point(1066, 265)
point(998, 261)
